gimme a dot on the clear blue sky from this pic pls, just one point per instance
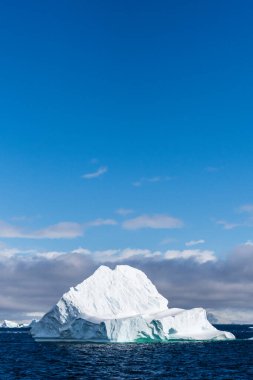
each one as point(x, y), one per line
point(159, 93)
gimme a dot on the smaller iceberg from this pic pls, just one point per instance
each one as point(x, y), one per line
point(9, 324)
point(15, 325)
point(121, 305)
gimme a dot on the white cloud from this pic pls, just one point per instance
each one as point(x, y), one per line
point(197, 255)
point(117, 255)
point(66, 230)
point(228, 225)
point(124, 211)
point(48, 255)
point(34, 314)
point(81, 251)
point(111, 255)
point(194, 242)
point(142, 180)
point(62, 230)
point(249, 242)
point(102, 170)
point(101, 222)
point(246, 221)
point(8, 252)
point(9, 231)
point(246, 209)
point(152, 221)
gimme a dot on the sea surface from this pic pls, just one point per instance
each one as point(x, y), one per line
point(22, 358)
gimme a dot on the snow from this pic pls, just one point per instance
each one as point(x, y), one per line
point(121, 305)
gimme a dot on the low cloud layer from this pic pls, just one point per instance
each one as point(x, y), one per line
point(31, 282)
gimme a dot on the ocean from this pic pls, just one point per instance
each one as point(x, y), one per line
point(22, 358)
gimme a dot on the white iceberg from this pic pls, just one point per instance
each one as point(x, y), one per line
point(121, 305)
point(14, 325)
point(9, 324)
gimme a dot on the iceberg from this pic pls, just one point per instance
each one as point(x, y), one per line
point(9, 324)
point(121, 305)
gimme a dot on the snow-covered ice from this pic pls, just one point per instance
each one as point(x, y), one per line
point(121, 305)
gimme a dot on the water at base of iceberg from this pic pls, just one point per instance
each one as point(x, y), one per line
point(23, 358)
point(137, 341)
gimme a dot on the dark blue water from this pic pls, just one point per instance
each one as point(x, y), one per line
point(22, 358)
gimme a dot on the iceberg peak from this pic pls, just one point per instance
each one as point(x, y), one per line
point(115, 293)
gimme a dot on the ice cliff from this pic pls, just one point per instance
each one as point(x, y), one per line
point(121, 305)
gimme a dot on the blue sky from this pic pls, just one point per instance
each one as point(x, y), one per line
point(157, 97)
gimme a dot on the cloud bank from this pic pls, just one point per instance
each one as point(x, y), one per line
point(31, 281)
